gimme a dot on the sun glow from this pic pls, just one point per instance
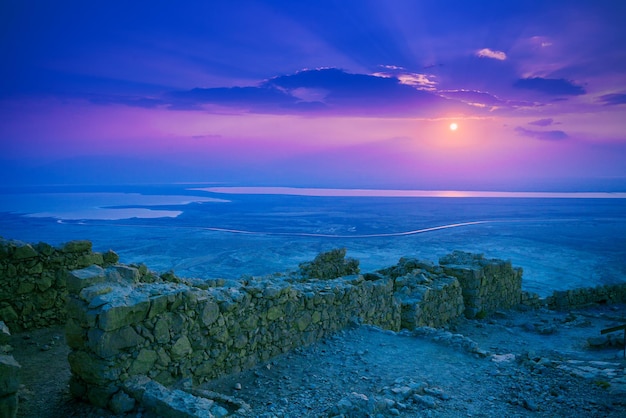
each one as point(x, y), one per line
point(454, 126)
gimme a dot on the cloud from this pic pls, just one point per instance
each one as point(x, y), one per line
point(490, 53)
point(417, 80)
point(483, 99)
point(392, 67)
point(207, 136)
point(542, 135)
point(134, 101)
point(321, 90)
point(613, 99)
point(555, 86)
point(542, 122)
point(231, 96)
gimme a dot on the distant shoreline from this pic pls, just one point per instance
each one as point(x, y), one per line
point(325, 192)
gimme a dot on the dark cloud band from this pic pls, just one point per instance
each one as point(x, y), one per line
point(553, 86)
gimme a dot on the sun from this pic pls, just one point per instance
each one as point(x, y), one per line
point(454, 126)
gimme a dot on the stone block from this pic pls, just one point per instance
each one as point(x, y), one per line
point(181, 348)
point(91, 369)
point(161, 330)
point(108, 344)
point(89, 259)
point(143, 363)
point(77, 246)
point(36, 269)
point(210, 313)
point(110, 257)
point(134, 310)
point(274, 313)
point(158, 305)
point(77, 280)
point(121, 403)
point(9, 375)
point(45, 282)
point(75, 335)
point(167, 403)
point(44, 248)
point(8, 314)
point(100, 395)
point(24, 251)
point(25, 286)
point(123, 274)
point(77, 310)
point(46, 300)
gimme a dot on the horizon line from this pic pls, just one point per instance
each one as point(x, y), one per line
point(329, 192)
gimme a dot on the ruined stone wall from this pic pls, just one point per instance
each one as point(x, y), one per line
point(577, 298)
point(120, 326)
point(32, 280)
point(437, 304)
point(487, 285)
point(428, 297)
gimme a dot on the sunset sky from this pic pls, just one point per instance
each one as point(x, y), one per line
point(316, 94)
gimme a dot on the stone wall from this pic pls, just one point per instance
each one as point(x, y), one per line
point(170, 329)
point(488, 285)
point(124, 322)
point(427, 296)
point(32, 280)
point(577, 298)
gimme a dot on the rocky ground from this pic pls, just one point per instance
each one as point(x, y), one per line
point(511, 364)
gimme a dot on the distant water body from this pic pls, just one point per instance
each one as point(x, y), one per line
point(562, 240)
point(294, 191)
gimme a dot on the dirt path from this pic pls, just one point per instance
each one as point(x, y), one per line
point(44, 376)
point(514, 364)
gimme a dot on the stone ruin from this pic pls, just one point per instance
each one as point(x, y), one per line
point(136, 335)
point(125, 325)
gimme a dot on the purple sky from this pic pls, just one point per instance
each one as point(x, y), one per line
point(321, 93)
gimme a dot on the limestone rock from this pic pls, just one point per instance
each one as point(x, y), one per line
point(123, 274)
point(168, 403)
point(122, 309)
point(79, 279)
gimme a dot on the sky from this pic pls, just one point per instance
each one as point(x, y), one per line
point(323, 93)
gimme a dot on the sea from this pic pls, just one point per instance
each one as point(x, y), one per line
point(560, 240)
